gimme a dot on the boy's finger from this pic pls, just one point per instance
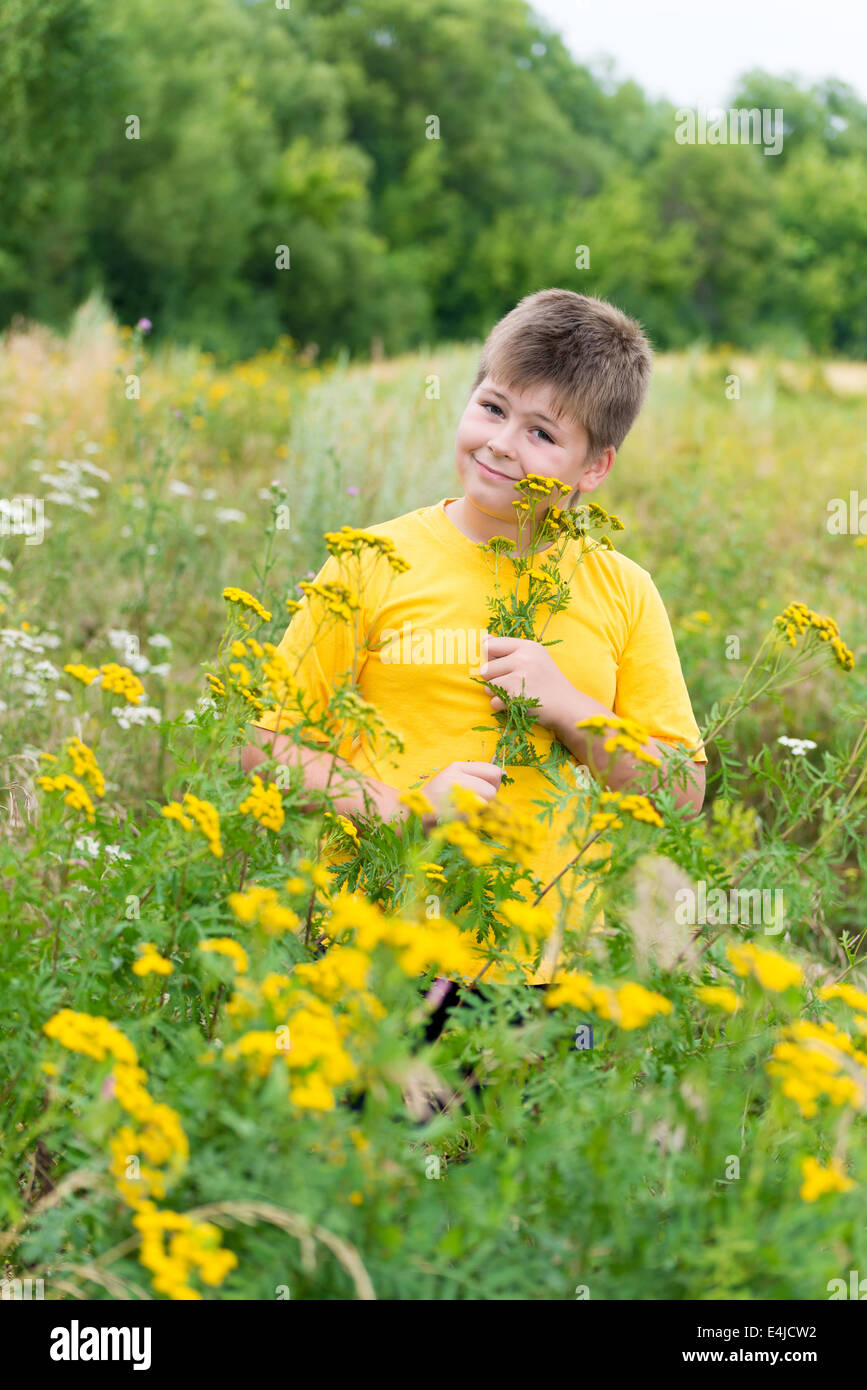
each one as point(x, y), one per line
point(483, 788)
point(488, 772)
point(491, 670)
point(499, 646)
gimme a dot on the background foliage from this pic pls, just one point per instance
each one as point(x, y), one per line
point(306, 127)
point(610, 1171)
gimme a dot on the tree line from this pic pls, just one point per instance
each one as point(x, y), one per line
point(398, 172)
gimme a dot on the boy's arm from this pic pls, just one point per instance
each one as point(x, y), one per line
point(619, 769)
point(520, 666)
point(321, 770)
point(321, 652)
point(651, 691)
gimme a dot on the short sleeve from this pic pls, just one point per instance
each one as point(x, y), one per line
point(324, 649)
point(650, 684)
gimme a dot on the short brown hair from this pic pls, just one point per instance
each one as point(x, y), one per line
point(594, 359)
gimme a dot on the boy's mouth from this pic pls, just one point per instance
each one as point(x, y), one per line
point(492, 472)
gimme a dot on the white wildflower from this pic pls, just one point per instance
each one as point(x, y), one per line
point(126, 644)
point(46, 671)
point(68, 488)
point(88, 844)
point(25, 641)
point(66, 499)
point(129, 715)
point(798, 745)
point(203, 706)
point(92, 469)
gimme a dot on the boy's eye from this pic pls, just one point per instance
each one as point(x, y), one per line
point(493, 406)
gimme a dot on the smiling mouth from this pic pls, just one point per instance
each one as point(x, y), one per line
point(493, 472)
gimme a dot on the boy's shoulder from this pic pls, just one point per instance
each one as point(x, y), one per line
point(407, 524)
point(407, 534)
point(423, 532)
point(621, 564)
point(613, 566)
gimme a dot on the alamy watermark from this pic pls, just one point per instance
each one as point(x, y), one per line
point(740, 125)
point(746, 906)
point(23, 516)
point(19, 1289)
point(851, 520)
point(442, 646)
point(77, 1343)
point(857, 1288)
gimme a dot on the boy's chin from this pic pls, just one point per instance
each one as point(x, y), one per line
point(493, 498)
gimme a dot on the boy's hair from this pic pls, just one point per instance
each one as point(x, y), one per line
point(595, 361)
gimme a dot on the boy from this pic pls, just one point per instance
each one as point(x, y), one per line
point(560, 382)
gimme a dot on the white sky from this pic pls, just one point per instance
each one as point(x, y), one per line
point(692, 52)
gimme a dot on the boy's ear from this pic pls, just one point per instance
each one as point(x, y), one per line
point(597, 469)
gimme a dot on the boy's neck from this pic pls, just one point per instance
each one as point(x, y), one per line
point(477, 526)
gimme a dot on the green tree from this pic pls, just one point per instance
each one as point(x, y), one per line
point(59, 66)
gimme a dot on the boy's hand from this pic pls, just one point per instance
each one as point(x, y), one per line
point(523, 667)
point(482, 778)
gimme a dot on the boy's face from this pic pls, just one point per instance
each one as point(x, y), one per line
point(504, 434)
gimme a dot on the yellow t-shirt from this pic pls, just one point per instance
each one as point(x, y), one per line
point(617, 647)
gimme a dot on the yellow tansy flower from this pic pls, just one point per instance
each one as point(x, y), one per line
point(84, 764)
point(202, 813)
point(226, 946)
point(312, 1094)
point(245, 600)
point(819, 1180)
point(85, 674)
point(76, 796)
point(120, 680)
point(797, 619)
point(265, 804)
point(720, 996)
point(417, 802)
point(91, 1034)
point(855, 998)
point(772, 971)
point(629, 1005)
point(349, 829)
point(151, 962)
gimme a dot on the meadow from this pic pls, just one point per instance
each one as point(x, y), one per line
point(214, 1079)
